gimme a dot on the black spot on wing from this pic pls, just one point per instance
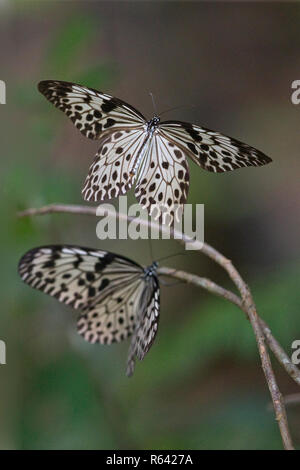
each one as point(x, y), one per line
point(192, 132)
point(103, 262)
point(109, 106)
point(110, 122)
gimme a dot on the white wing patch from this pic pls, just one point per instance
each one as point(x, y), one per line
point(211, 150)
point(112, 171)
point(163, 181)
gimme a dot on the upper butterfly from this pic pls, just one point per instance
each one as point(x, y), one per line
point(151, 154)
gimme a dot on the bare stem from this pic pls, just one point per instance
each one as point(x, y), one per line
point(244, 302)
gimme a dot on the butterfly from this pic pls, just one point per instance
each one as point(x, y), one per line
point(150, 154)
point(115, 296)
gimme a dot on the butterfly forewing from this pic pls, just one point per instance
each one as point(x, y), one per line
point(211, 150)
point(75, 275)
point(94, 113)
point(108, 289)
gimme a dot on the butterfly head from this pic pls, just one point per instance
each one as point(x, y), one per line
point(151, 270)
point(153, 123)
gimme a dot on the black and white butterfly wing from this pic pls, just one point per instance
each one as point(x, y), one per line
point(163, 179)
point(96, 282)
point(94, 113)
point(106, 288)
point(212, 150)
point(146, 325)
point(119, 127)
point(111, 317)
point(113, 170)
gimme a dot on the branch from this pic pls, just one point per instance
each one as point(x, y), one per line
point(273, 344)
point(261, 330)
point(54, 208)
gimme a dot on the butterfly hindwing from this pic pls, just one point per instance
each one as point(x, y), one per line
point(94, 113)
point(112, 318)
point(147, 324)
point(112, 171)
point(163, 179)
point(212, 150)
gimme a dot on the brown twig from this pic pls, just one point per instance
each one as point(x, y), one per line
point(54, 208)
point(261, 330)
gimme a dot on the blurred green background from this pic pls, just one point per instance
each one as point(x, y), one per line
point(201, 386)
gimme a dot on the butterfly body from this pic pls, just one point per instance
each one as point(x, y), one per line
point(141, 153)
point(152, 154)
point(152, 125)
point(115, 296)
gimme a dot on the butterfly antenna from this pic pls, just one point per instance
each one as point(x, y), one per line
point(153, 103)
point(178, 107)
point(169, 284)
point(151, 250)
point(173, 255)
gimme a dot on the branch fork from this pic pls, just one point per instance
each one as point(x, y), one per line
point(244, 301)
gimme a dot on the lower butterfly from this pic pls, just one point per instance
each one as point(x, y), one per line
point(150, 154)
point(116, 297)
